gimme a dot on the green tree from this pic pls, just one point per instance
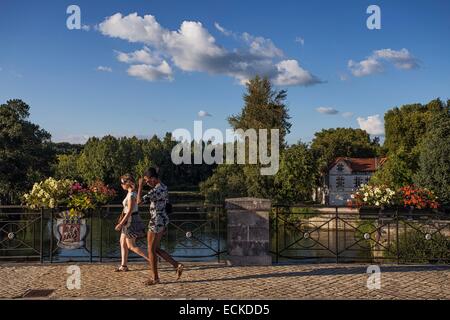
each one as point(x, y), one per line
point(329, 144)
point(406, 126)
point(296, 178)
point(395, 172)
point(264, 108)
point(66, 167)
point(25, 152)
point(434, 159)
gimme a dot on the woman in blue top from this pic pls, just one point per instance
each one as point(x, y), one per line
point(158, 197)
point(130, 225)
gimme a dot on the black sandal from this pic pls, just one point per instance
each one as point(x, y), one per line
point(121, 269)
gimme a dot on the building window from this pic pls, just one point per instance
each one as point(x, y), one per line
point(340, 182)
point(357, 182)
point(340, 167)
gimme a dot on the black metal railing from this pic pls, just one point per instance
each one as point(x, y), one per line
point(198, 233)
point(195, 232)
point(300, 233)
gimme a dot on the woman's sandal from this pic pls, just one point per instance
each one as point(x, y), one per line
point(151, 282)
point(121, 269)
point(179, 270)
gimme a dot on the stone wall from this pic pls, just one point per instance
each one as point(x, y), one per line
point(248, 237)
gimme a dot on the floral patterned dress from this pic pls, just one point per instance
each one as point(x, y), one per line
point(158, 198)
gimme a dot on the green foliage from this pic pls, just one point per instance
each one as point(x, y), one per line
point(434, 160)
point(66, 148)
point(227, 181)
point(395, 172)
point(296, 177)
point(329, 144)
point(81, 202)
point(66, 167)
point(25, 151)
point(264, 108)
point(406, 126)
point(414, 247)
point(108, 158)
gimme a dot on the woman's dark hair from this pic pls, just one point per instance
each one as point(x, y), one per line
point(151, 173)
point(127, 179)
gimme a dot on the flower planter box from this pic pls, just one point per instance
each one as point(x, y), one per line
point(370, 212)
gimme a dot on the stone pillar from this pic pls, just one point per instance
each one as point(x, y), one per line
point(248, 239)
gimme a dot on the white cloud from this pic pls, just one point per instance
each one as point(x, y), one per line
point(365, 67)
point(151, 73)
point(372, 124)
point(139, 56)
point(347, 114)
point(104, 69)
point(260, 46)
point(300, 40)
point(222, 29)
point(202, 114)
point(401, 59)
point(327, 110)
point(193, 48)
point(290, 73)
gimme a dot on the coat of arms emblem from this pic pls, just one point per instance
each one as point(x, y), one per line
point(70, 232)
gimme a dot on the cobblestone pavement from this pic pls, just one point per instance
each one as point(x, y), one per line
point(218, 281)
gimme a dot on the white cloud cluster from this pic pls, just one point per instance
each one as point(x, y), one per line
point(139, 56)
point(401, 59)
point(147, 65)
point(104, 69)
point(203, 114)
point(151, 73)
point(193, 48)
point(372, 124)
point(327, 110)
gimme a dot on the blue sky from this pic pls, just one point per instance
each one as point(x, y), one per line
point(157, 73)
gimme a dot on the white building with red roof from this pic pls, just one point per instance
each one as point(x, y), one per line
point(345, 175)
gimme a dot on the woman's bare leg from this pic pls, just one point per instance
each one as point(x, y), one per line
point(162, 253)
point(152, 255)
point(131, 243)
point(123, 249)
